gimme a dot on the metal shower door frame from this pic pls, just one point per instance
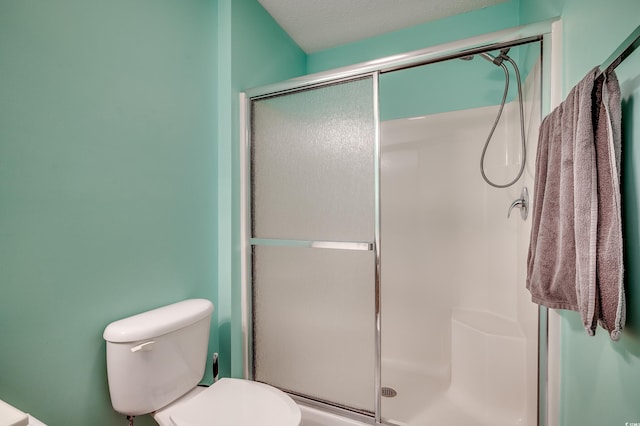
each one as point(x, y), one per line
point(541, 32)
point(373, 246)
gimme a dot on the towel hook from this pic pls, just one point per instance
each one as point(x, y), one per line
point(522, 203)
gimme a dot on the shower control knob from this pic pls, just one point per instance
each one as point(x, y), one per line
point(522, 203)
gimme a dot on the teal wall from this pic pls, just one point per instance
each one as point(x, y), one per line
point(600, 383)
point(116, 179)
point(107, 186)
point(482, 21)
point(531, 11)
point(451, 85)
point(441, 87)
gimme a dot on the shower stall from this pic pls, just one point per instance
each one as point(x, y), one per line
point(385, 280)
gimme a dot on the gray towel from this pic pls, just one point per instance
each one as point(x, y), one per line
point(573, 256)
point(610, 302)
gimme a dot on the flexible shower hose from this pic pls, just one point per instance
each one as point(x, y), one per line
point(495, 124)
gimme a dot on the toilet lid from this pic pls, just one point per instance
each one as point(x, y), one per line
point(236, 402)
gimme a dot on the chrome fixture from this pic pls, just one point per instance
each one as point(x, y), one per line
point(499, 61)
point(522, 203)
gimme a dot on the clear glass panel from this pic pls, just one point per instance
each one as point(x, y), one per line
point(314, 322)
point(312, 164)
point(459, 333)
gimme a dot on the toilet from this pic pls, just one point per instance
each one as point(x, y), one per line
point(156, 359)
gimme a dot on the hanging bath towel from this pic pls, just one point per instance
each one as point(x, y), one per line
point(610, 300)
point(574, 262)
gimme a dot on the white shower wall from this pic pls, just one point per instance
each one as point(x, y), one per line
point(454, 266)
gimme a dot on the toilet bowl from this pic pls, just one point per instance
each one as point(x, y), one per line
point(156, 359)
point(232, 402)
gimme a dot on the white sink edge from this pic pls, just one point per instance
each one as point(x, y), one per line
point(11, 416)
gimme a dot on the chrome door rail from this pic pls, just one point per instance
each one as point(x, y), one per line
point(335, 245)
point(498, 40)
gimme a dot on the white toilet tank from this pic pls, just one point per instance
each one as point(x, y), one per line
point(157, 356)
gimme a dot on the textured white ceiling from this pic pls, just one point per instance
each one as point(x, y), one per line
point(322, 24)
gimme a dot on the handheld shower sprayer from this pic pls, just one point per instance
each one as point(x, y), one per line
point(499, 61)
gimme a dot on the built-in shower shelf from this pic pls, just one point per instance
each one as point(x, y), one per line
point(487, 322)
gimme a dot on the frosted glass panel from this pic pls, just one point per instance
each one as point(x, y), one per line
point(313, 164)
point(314, 319)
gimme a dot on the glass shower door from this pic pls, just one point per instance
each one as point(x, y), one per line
point(313, 221)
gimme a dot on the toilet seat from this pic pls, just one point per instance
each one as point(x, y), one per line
point(233, 402)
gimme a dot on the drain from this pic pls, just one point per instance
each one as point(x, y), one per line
point(388, 392)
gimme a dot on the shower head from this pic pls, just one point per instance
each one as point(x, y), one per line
point(496, 60)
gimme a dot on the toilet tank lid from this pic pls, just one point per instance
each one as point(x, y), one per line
point(158, 321)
